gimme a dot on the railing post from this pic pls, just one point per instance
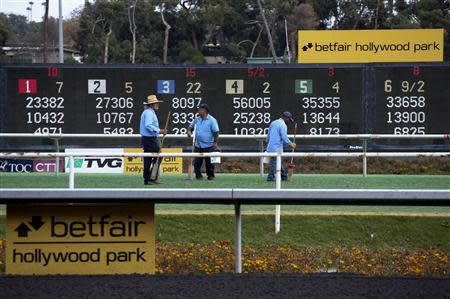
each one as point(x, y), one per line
point(71, 173)
point(237, 239)
point(261, 159)
point(278, 186)
point(364, 157)
point(56, 141)
point(278, 172)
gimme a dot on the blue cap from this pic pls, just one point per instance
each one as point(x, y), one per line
point(203, 106)
point(288, 115)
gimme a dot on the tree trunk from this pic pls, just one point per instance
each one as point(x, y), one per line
point(166, 37)
point(132, 21)
point(45, 31)
point(377, 10)
point(105, 58)
point(255, 44)
point(269, 35)
point(194, 39)
point(294, 46)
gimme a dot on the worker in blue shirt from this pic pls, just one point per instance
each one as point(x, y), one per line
point(206, 138)
point(276, 139)
point(149, 130)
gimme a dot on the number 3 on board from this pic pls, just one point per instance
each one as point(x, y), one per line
point(166, 86)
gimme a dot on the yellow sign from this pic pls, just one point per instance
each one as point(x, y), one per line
point(169, 165)
point(347, 46)
point(81, 239)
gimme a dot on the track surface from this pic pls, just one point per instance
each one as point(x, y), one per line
point(224, 286)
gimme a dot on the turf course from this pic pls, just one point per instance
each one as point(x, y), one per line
point(16, 180)
point(323, 226)
point(338, 181)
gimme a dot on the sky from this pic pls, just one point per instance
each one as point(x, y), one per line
point(20, 7)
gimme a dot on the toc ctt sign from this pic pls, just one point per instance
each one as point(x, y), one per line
point(84, 239)
point(360, 46)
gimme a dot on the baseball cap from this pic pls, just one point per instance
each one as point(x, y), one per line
point(288, 115)
point(203, 106)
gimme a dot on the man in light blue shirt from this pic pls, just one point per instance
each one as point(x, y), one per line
point(276, 139)
point(206, 137)
point(149, 130)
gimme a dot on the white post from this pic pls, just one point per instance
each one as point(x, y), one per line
point(71, 173)
point(261, 159)
point(278, 186)
point(61, 34)
point(278, 172)
point(57, 158)
point(365, 157)
point(237, 239)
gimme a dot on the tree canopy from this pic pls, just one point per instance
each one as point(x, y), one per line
point(103, 33)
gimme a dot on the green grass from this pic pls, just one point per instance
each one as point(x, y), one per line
point(306, 231)
point(35, 180)
point(303, 231)
point(16, 180)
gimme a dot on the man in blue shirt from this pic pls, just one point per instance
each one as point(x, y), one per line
point(206, 137)
point(149, 130)
point(276, 139)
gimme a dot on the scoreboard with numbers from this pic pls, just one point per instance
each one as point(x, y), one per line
point(325, 100)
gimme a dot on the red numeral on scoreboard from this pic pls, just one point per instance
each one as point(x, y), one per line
point(191, 72)
point(416, 70)
point(27, 86)
point(255, 72)
point(52, 72)
point(331, 72)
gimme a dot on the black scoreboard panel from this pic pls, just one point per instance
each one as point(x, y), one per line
point(412, 100)
point(324, 99)
point(244, 99)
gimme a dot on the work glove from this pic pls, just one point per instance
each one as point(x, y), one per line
point(293, 145)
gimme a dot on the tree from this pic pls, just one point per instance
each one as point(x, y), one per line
point(4, 29)
point(303, 17)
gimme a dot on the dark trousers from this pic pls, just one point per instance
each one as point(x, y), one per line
point(151, 165)
point(199, 161)
point(273, 168)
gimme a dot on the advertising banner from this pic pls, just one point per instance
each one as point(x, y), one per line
point(95, 164)
point(47, 165)
point(169, 165)
point(361, 46)
point(80, 239)
point(16, 165)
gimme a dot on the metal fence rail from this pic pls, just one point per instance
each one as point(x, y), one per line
point(278, 156)
point(234, 197)
point(258, 138)
point(230, 136)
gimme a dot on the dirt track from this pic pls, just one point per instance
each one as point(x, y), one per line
point(224, 286)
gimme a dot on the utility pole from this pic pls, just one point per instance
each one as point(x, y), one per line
point(61, 35)
point(45, 29)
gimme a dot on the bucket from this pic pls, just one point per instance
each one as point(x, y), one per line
point(266, 160)
point(215, 160)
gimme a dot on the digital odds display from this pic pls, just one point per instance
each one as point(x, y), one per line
point(324, 99)
point(244, 100)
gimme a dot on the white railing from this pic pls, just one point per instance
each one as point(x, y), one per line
point(259, 138)
point(230, 136)
point(278, 157)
